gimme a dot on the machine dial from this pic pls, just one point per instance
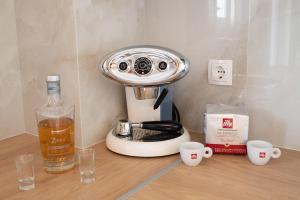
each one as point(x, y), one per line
point(143, 66)
point(162, 66)
point(123, 66)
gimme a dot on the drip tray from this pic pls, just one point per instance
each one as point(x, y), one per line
point(144, 135)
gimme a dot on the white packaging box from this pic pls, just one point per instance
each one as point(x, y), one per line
point(226, 128)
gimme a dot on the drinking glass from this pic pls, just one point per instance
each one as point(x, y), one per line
point(25, 171)
point(86, 159)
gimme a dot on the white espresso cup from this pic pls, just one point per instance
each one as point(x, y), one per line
point(259, 152)
point(191, 153)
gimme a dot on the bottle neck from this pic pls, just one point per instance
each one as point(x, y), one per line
point(54, 98)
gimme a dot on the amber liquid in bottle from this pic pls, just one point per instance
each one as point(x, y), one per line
point(57, 140)
point(55, 123)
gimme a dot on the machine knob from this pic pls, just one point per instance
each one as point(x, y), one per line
point(123, 66)
point(142, 66)
point(162, 66)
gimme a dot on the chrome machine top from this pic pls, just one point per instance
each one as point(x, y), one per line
point(144, 66)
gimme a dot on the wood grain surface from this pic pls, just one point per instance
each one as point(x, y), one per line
point(115, 174)
point(220, 177)
point(229, 177)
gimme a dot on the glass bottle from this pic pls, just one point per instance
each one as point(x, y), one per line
point(56, 130)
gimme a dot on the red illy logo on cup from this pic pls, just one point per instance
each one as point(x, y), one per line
point(262, 154)
point(194, 156)
point(227, 123)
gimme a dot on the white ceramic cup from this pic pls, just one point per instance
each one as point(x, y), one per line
point(191, 153)
point(259, 152)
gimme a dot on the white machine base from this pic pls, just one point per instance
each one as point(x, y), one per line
point(145, 149)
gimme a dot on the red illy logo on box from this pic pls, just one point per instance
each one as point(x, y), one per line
point(262, 154)
point(227, 123)
point(194, 156)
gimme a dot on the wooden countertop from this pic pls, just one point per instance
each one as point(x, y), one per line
point(115, 174)
point(230, 177)
point(220, 177)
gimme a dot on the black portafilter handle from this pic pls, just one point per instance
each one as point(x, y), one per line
point(166, 125)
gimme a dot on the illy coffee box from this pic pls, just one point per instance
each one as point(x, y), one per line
point(226, 128)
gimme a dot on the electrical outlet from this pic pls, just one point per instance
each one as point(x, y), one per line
point(220, 72)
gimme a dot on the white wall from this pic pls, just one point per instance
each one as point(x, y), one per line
point(11, 106)
point(273, 60)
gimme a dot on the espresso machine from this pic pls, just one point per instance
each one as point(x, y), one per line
point(153, 126)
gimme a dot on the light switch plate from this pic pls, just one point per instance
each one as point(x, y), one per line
point(220, 72)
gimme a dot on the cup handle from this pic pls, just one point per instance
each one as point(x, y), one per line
point(276, 153)
point(207, 152)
